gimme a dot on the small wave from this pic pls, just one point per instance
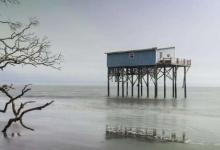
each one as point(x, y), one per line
point(49, 96)
point(61, 96)
point(204, 143)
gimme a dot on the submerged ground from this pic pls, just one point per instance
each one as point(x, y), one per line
point(78, 118)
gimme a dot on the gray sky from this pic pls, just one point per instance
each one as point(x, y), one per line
point(82, 30)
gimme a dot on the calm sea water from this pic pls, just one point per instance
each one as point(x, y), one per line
point(78, 118)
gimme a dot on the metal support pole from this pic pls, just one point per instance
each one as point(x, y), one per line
point(185, 95)
point(164, 75)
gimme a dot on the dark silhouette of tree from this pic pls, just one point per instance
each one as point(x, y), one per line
point(23, 47)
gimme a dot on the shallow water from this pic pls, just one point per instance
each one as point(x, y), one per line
point(78, 118)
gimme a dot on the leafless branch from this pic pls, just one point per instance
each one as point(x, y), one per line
point(5, 89)
point(20, 111)
point(20, 117)
point(25, 48)
point(22, 106)
point(12, 25)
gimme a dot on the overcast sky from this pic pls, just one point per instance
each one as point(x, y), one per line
point(82, 30)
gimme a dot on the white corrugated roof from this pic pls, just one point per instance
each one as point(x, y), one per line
point(138, 50)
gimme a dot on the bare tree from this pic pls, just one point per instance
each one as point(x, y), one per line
point(19, 112)
point(22, 47)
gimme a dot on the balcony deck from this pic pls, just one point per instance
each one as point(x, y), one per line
point(180, 62)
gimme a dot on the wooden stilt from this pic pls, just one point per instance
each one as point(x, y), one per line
point(118, 75)
point(108, 82)
point(141, 77)
point(173, 79)
point(132, 82)
point(122, 82)
point(155, 80)
point(185, 95)
point(147, 84)
point(126, 81)
point(176, 82)
point(138, 83)
point(164, 75)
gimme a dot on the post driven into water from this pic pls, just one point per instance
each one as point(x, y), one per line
point(164, 80)
point(184, 82)
point(108, 83)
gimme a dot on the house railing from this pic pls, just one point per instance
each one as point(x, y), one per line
point(175, 61)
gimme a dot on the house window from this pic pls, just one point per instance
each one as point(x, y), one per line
point(131, 55)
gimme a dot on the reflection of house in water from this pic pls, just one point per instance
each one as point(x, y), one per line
point(138, 67)
point(149, 134)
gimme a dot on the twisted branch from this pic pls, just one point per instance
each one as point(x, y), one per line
point(20, 117)
point(5, 89)
point(25, 48)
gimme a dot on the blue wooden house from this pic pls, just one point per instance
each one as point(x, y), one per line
point(138, 67)
point(140, 57)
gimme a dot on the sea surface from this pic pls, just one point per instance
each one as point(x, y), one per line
point(78, 118)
